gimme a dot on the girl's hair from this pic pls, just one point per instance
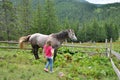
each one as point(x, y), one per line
point(48, 43)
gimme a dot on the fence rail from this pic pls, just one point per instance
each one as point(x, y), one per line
point(112, 52)
point(10, 42)
point(63, 45)
point(116, 54)
point(12, 47)
point(78, 46)
point(115, 68)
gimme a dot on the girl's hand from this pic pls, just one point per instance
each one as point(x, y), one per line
point(52, 51)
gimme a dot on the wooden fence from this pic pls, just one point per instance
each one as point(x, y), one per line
point(11, 47)
point(112, 52)
point(108, 51)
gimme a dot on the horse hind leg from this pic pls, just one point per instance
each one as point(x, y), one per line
point(35, 52)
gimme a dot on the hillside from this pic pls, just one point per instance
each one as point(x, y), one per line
point(75, 10)
point(84, 11)
point(81, 10)
point(80, 15)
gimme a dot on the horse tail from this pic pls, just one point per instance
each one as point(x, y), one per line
point(22, 40)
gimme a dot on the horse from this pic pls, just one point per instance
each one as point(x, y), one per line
point(38, 40)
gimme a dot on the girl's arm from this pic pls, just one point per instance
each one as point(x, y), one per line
point(52, 51)
point(43, 52)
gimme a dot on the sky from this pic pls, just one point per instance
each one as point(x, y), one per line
point(103, 1)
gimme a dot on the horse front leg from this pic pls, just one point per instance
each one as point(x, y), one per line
point(55, 54)
point(35, 52)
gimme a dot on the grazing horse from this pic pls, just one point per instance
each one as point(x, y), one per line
point(38, 40)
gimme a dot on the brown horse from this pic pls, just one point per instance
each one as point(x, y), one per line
point(38, 40)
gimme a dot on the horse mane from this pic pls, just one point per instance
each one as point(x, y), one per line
point(61, 35)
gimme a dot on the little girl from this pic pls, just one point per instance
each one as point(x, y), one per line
point(48, 54)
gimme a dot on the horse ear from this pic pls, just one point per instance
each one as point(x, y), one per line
point(69, 30)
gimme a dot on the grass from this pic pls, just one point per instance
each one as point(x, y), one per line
point(21, 65)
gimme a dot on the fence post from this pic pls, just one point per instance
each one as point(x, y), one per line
point(110, 47)
point(106, 47)
point(72, 47)
point(80, 42)
point(72, 43)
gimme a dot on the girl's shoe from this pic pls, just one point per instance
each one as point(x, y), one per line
point(46, 70)
point(51, 71)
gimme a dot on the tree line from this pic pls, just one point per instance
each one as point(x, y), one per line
point(21, 18)
point(98, 31)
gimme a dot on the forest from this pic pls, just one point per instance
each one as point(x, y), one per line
point(91, 22)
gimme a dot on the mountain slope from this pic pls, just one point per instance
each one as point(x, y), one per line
point(82, 11)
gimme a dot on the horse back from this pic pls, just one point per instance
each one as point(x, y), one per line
point(38, 39)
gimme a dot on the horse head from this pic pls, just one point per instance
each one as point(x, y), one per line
point(71, 35)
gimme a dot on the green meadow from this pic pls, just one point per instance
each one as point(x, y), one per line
point(17, 64)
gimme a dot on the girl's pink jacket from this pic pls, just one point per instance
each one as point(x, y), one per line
point(47, 51)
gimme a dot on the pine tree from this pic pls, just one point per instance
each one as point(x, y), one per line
point(8, 20)
point(38, 20)
point(50, 18)
point(25, 16)
point(111, 31)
